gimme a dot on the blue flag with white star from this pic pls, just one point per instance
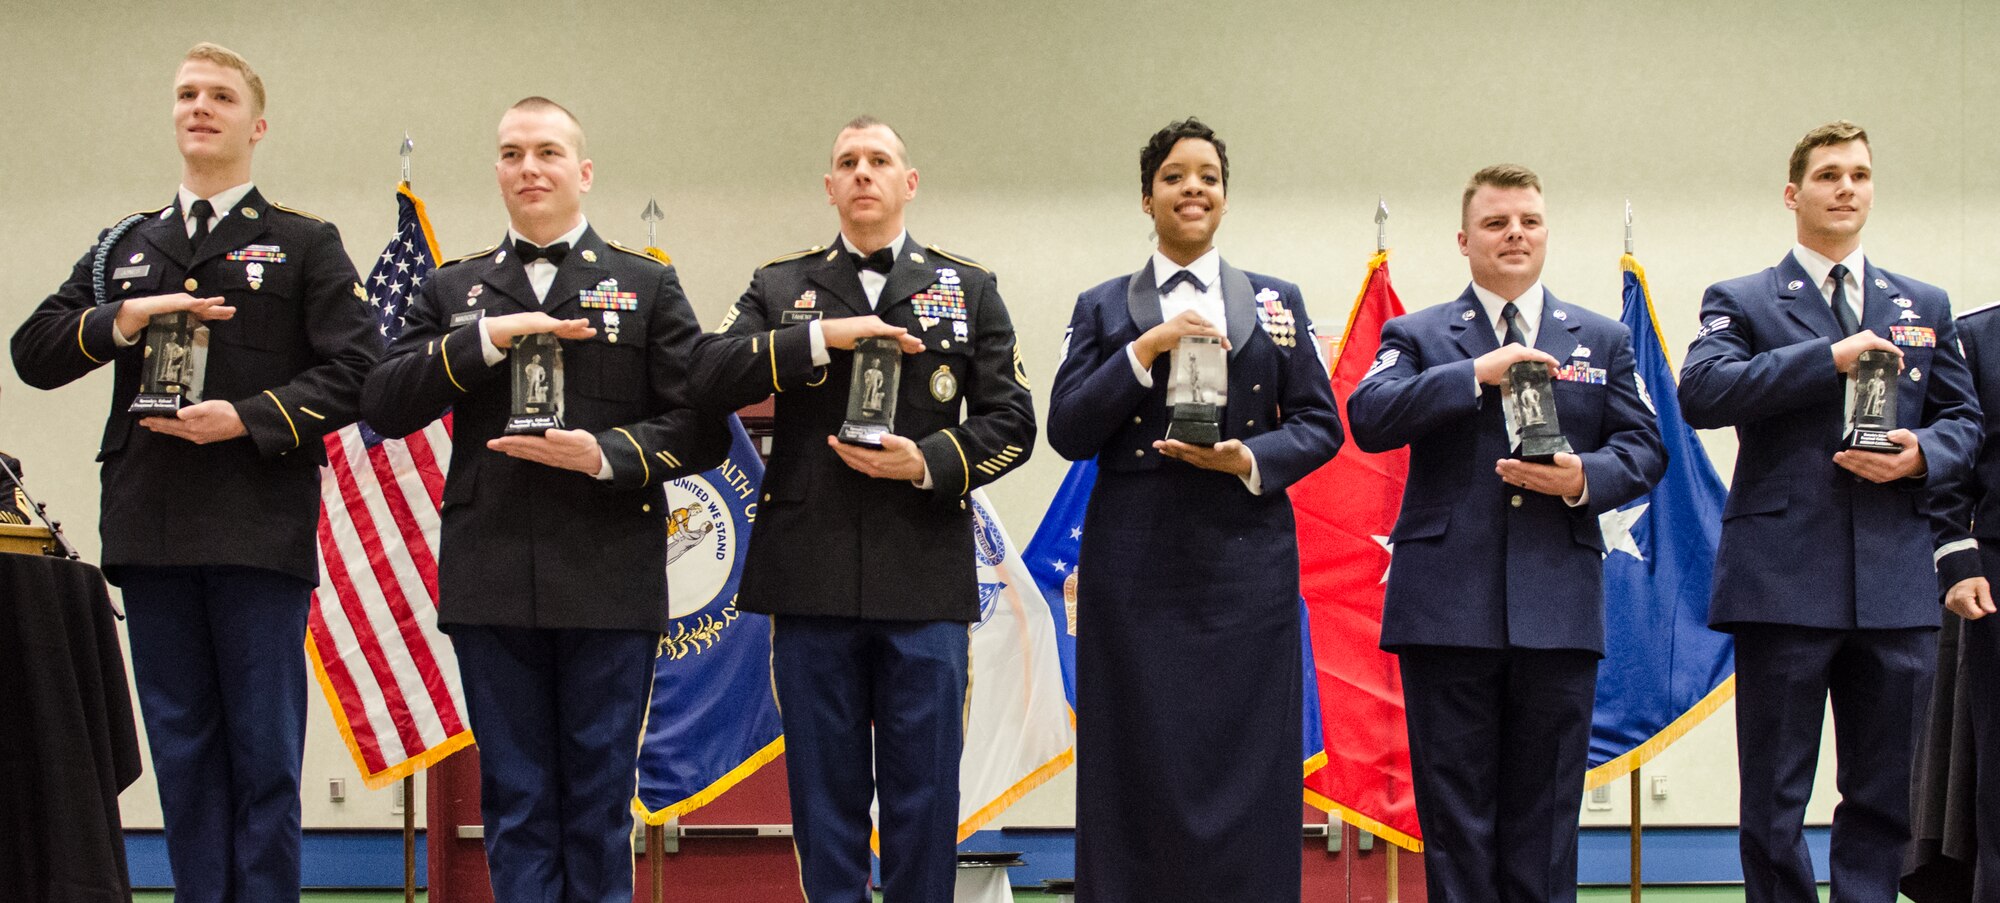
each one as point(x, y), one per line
point(1051, 558)
point(1664, 670)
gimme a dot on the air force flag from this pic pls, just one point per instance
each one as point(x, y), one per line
point(1663, 670)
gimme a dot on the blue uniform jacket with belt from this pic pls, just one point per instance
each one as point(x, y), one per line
point(1479, 563)
point(1805, 542)
point(1280, 401)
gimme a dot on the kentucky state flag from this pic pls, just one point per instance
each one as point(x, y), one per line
point(713, 721)
point(1663, 670)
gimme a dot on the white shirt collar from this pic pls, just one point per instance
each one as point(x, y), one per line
point(895, 247)
point(224, 201)
point(1529, 304)
point(569, 237)
point(1818, 266)
point(1207, 268)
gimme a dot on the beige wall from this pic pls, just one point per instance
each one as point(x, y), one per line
point(1025, 120)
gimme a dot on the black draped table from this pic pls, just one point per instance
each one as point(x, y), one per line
point(68, 744)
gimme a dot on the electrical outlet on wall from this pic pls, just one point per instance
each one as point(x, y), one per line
point(1598, 800)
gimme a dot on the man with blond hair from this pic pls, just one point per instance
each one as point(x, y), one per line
point(209, 514)
point(1824, 573)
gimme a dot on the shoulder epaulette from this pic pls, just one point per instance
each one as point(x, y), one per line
point(635, 253)
point(482, 252)
point(278, 206)
point(815, 249)
point(1979, 310)
point(146, 213)
point(947, 254)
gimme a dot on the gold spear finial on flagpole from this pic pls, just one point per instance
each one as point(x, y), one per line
point(1381, 224)
point(408, 146)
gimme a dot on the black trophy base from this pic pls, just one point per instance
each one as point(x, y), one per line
point(531, 424)
point(866, 435)
point(1860, 439)
point(1542, 449)
point(165, 403)
point(1196, 424)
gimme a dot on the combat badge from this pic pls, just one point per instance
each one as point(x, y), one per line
point(611, 326)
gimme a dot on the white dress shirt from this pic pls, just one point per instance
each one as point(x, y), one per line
point(872, 284)
point(224, 201)
point(1820, 269)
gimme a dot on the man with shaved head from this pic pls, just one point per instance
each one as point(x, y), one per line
point(552, 565)
point(864, 555)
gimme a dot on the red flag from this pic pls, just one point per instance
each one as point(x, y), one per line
point(1345, 511)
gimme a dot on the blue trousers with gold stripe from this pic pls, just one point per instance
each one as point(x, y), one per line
point(558, 715)
point(836, 678)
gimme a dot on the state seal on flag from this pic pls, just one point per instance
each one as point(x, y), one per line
point(705, 539)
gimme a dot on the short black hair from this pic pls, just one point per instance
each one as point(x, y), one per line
point(1162, 143)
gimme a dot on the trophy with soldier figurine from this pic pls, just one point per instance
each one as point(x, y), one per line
point(871, 391)
point(1871, 403)
point(538, 386)
point(1197, 390)
point(1528, 400)
point(176, 362)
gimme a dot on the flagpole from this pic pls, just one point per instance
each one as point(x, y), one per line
point(410, 838)
point(1381, 225)
point(656, 855)
point(1633, 817)
point(409, 780)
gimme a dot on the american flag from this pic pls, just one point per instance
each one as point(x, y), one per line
point(389, 675)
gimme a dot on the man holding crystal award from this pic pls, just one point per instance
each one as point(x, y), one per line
point(1524, 420)
point(899, 391)
point(238, 338)
point(563, 359)
point(1825, 573)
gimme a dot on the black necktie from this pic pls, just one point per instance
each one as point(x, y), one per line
point(878, 262)
point(1511, 315)
point(1186, 276)
point(200, 211)
point(529, 252)
point(1849, 325)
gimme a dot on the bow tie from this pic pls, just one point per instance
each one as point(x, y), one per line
point(879, 262)
point(530, 252)
point(1186, 276)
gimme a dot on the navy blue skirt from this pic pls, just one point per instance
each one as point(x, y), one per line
point(1188, 725)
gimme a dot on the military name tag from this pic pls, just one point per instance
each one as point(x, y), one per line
point(137, 272)
point(795, 317)
point(465, 317)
